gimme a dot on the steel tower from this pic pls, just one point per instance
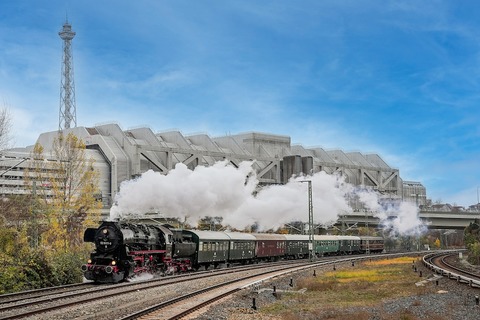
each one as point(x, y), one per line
point(68, 110)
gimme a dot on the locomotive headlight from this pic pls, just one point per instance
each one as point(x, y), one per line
point(114, 262)
point(89, 261)
point(105, 231)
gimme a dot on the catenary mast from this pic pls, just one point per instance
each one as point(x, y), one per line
point(68, 111)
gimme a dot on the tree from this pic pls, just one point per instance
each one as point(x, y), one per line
point(210, 223)
point(5, 127)
point(471, 237)
point(65, 192)
point(16, 208)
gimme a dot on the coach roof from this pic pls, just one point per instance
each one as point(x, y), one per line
point(269, 236)
point(209, 235)
point(240, 236)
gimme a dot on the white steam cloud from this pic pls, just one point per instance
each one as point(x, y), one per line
point(232, 193)
point(401, 218)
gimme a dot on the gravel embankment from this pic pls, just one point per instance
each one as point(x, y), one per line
point(447, 300)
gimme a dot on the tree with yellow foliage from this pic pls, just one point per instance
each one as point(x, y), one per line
point(65, 192)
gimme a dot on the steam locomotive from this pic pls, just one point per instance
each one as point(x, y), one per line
point(125, 249)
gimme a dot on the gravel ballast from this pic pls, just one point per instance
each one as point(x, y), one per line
point(443, 299)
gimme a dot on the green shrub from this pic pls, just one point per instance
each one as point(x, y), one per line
point(66, 267)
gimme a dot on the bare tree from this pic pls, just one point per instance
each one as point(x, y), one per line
point(5, 127)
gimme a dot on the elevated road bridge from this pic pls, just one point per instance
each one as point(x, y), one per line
point(432, 219)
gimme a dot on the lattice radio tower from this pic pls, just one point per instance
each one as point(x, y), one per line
point(68, 110)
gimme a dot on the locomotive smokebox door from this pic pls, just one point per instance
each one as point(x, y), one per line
point(89, 235)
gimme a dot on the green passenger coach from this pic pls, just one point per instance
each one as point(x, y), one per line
point(326, 245)
point(242, 247)
point(212, 247)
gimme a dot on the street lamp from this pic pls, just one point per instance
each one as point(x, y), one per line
point(310, 219)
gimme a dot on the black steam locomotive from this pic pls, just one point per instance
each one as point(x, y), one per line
point(124, 249)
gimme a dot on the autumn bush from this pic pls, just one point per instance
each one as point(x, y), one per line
point(26, 267)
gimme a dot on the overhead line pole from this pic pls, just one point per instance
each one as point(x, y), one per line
point(310, 220)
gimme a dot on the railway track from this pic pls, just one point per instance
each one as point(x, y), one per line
point(43, 302)
point(438, 263)
point(24, 304)
point(186, 304)
point(39, 293)
point(88, 301)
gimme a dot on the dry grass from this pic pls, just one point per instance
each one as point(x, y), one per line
point(345, 293)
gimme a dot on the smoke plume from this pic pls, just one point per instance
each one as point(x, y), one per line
point(234, 194)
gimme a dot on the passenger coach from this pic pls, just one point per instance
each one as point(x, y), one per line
point(326, 245)
point(349, 244)
point(212, 247)
point(296, 246)
point(242, 247)
point(269, 247)
point(371, 244)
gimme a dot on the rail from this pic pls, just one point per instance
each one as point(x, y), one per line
point(428, 263)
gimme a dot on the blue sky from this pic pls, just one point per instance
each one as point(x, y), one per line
point(397, 78)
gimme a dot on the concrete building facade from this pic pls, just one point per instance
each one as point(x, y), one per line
point(125, 154)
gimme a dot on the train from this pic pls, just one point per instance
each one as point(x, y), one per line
point(124, 249)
